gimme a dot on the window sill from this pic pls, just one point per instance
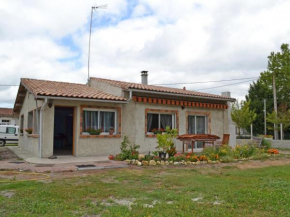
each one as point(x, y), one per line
point(32, 135)
point(100, 136)
point(151, 135)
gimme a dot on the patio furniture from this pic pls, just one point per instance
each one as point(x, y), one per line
point(258, 141)
point(225, 141)
point(191, 138)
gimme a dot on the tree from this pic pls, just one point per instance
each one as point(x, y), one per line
point(282, 117)
point(257, 92)
point(241, 114)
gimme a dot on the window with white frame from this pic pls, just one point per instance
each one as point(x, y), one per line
point(159, 121)
point(197, 124)
point(96, 121)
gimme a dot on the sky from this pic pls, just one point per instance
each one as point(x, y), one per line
point(177, 41)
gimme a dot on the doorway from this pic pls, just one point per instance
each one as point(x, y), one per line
point(197, 124)
point(63, 142)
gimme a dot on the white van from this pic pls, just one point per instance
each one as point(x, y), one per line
point(8, 134)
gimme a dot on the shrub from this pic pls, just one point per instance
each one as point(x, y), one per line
point(179, 157)
point(226, 159)
point(244, 151)
point(128, 150)
point(165, 141)
point(266, 144)
point(273, 151)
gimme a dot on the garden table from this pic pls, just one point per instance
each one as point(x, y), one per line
point(205, 138)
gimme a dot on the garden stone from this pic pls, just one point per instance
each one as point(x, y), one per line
point(162, 163)
point(152, 163)
point(170, 162)
point(197, 162)
point(176, 163)
point(166, 163)
point(128, 161)
point(141, 156)
point(193, 163)
point(145, 163)
point(188, 163)
point(158, 163)
point(139, 163)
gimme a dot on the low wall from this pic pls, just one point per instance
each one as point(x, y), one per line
point(274, 143)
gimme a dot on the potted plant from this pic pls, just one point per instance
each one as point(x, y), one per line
point(92, 131)
point(111, 157)
point(111, 130)
point(29, 130)
point(165, 142)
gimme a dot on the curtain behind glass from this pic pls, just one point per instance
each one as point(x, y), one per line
point(149, 121)
point(191, 124)
point(107, 120)
point(90, 120)
point(166, 121)
point(200, 125)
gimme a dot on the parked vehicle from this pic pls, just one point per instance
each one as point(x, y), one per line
point(8, 134)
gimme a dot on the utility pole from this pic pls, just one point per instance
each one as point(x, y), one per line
point(275, 106)
point(265, 118)
point(89, 52)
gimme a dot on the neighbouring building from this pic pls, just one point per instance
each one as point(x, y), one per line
point(8, 117)
point(92, 119)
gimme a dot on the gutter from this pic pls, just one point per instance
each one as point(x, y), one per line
point(183, 95)
point(80, 99)
point(40, 133)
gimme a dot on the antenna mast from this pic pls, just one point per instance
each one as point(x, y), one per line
point(93, 8)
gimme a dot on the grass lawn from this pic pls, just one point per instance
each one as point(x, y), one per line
point(191, 191)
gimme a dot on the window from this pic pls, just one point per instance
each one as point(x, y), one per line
point(197, 125)
point(5, 122)
point(103, 120)
point(36, 120)
point(11, 130)
point(21, 122)
point(160, 121)
point(30, 120)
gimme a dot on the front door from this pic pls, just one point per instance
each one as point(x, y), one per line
point(197, 124)
point(63, 131)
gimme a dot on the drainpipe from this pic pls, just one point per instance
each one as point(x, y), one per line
point(40, 127)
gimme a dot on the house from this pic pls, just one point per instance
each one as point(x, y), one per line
point(8, 117)
point(65, 118)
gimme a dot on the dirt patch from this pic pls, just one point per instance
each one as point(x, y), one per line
point(7, 194)
point(260, 164)
point(5, 153)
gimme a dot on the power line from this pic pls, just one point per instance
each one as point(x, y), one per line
point(198, 82)
point(226, 85)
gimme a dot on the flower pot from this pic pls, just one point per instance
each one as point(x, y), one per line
point(111, 157)
point(162, 154)
point(111, 132)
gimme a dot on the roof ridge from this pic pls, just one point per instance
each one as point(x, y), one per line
point(53, 81)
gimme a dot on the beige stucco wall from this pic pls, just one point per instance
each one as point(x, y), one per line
point(29, 144)
point(219, 123)
point(117, 91)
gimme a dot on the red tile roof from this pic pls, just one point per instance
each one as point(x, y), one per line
point(64, 89)
point(130, 85)
point(6, 112)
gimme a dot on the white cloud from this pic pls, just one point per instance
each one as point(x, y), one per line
point(176, 41)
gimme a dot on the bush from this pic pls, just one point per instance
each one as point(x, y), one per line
point(226, 159)
point(128, 150)
point(266, 144)
point(244, 151)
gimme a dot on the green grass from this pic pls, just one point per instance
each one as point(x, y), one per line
point(11, 144)
point(253, 192)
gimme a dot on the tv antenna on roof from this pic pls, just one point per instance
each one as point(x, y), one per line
point(94, 8)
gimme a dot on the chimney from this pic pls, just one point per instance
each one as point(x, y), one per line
point(184, 88)
point(144, 77)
